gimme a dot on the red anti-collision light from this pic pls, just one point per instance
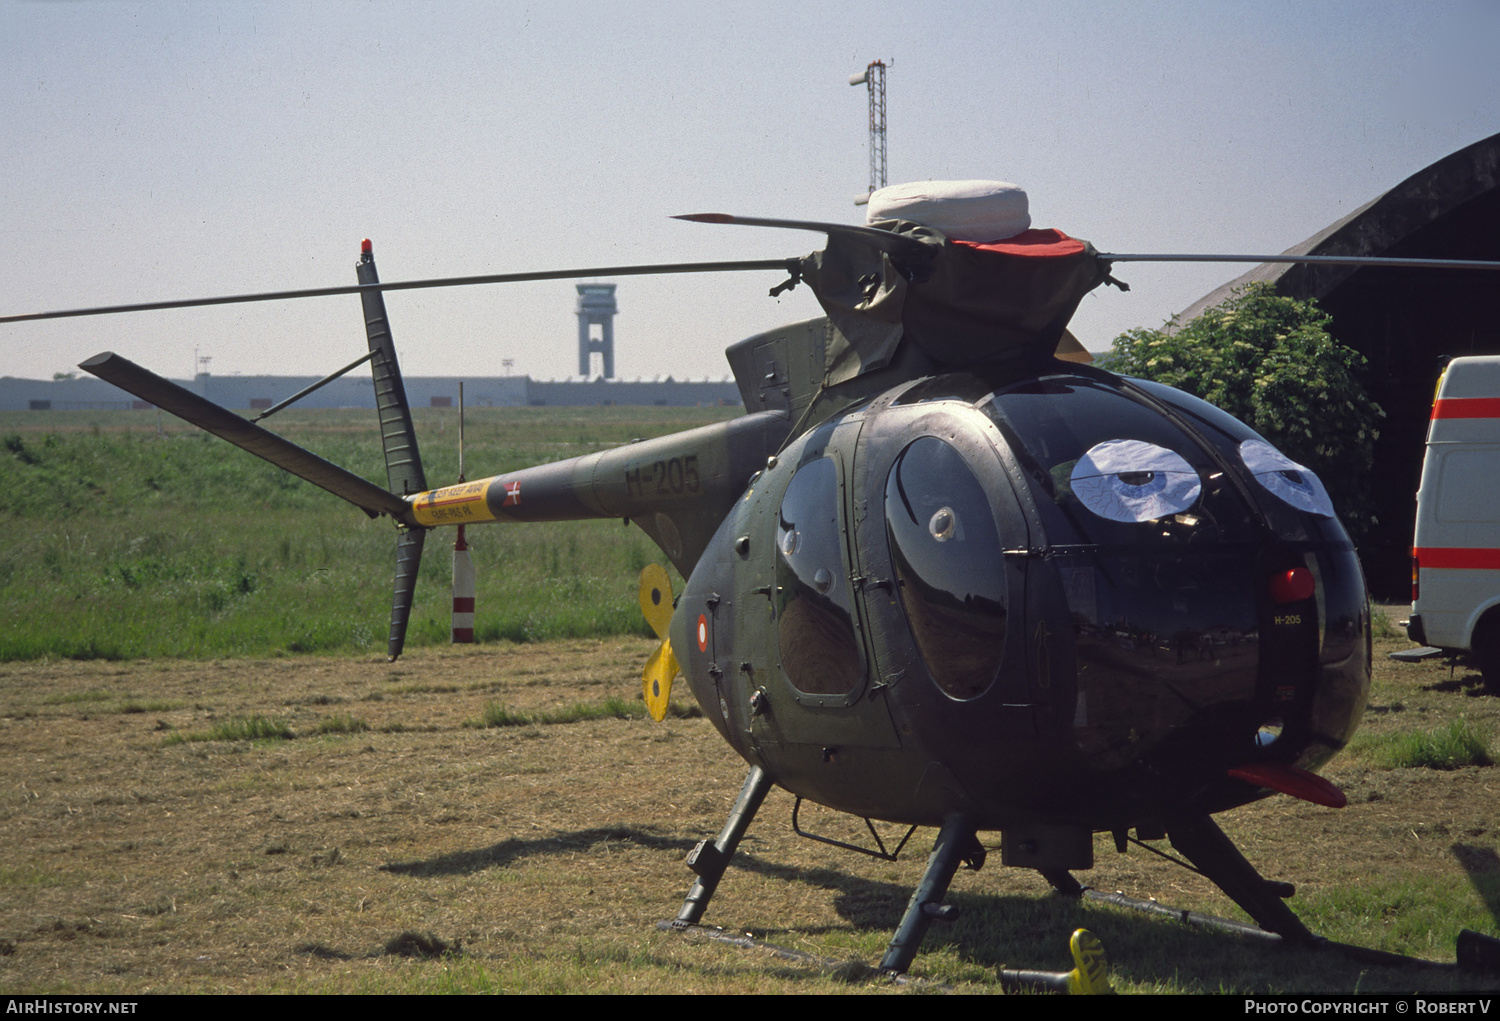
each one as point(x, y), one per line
point(365, 248)
point(1292, 586)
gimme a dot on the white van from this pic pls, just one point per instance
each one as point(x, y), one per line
point(1455, 569)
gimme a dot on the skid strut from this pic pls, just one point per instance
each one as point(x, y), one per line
point(955, 845)
point(710, 859)
point(1202, 842)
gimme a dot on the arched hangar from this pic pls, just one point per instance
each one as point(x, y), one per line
point(1406, 322)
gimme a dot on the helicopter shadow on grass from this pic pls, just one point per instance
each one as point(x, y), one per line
point(1025, 932)
point(507, 852)
point(887, 903)
point(1482, 866)
point(1030, 933)
point(1016, 931)
point(992, 930)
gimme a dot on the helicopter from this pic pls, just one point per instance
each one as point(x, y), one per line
point(936, 575)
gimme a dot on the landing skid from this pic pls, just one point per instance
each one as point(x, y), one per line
point(956, 845)
point(710, 859)
point(1090, 974)
point(1199, 839)
point(1214, 855)
point(1477, 953)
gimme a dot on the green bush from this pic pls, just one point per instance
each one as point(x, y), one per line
point(1270, 362)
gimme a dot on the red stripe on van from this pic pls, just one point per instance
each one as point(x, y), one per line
point(1466, 407)
point(1458, 557)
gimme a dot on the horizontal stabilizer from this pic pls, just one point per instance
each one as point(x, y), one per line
point(225, 424)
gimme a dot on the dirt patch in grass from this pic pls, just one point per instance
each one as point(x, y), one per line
point(547, 853)
point(421, 944)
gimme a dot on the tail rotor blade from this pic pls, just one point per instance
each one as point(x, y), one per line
point(403, 462)
point(408, 560)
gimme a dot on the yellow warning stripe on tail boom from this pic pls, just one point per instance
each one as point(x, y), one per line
point(466, 503)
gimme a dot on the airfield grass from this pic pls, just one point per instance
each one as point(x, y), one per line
point(211, 780)
point(131, 534)
point(375, 837)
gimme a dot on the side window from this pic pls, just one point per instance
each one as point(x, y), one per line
point(815, 622)
point(947, 553)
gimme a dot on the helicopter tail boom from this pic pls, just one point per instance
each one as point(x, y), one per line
point(677, 488)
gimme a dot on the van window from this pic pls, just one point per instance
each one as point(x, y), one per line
point(1466, 485)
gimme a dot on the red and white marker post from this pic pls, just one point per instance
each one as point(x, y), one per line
point(463, 591)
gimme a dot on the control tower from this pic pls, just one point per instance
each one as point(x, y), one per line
point(596, 307)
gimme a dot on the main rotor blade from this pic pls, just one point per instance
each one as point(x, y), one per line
point(225, 424)
point(784, 265)
point(883, 240)
point(1327, 260)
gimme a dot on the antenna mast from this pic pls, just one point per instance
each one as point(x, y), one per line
point(873, 77)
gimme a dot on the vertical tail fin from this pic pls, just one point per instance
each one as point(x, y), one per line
point(398, 439)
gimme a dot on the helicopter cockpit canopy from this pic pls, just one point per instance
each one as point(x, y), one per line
point(1084, 546)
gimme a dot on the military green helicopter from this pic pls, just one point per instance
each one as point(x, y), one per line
point(937, 575)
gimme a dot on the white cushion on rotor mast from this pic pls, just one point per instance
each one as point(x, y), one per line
point(979, 211)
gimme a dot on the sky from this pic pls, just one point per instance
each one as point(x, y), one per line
point(164, 150)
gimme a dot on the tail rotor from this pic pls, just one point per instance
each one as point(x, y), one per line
point(398, 440)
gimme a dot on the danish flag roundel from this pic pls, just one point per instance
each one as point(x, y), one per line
point(702, 633)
